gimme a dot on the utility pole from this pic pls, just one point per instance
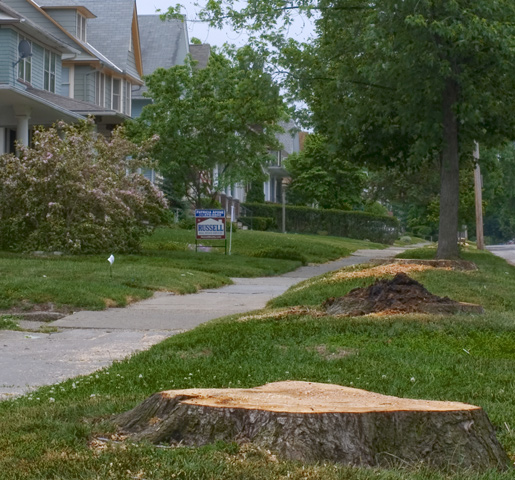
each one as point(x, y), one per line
point(479, 201)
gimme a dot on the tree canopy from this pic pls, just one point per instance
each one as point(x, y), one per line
point(215, 125)
point(321, 177)
point(402, 82)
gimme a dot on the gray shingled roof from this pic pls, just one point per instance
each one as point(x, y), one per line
point(163, 43)
point(71, 104)
point(61, 3)
point(110, 33)
point(200, 53)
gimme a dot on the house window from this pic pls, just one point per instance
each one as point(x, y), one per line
point(81, 27)
point(49, 71)
point(127, 99)
point(100, 89)
point(25, 65)
point(117, 95)
point(65, 82)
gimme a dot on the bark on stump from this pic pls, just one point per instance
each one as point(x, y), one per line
point(316, 422)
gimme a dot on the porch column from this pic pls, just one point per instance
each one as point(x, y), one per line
point(22, 114)
point(22, 129)
point(2, 141)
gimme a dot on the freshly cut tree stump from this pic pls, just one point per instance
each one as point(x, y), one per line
point(315, 422)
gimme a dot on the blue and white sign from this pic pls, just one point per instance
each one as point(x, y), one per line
point(210, 224)
point(210, 213)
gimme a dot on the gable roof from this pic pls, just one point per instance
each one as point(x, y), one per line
point(111, 31)
point(163, 43)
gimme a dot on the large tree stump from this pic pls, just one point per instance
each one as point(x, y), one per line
point(316, 422)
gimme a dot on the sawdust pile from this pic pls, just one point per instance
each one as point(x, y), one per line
point(399, 295)
point(384, 270)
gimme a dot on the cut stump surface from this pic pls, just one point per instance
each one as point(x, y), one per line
point(316, 422)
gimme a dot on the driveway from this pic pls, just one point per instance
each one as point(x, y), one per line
point(87, 341)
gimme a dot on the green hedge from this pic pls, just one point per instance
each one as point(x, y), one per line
point(259, 223)
point(339, 223)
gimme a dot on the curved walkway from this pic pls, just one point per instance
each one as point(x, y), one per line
point(87, 341)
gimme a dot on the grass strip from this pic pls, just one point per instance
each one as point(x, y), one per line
point(166, 263)
point(49, 433)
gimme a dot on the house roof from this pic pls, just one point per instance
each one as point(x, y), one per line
point(9, 16)
point(161, 42)
point(200, 53)
point(164, 44)
point(111, 31)
point(66, 5)
point(42, 110)
point(77, 106)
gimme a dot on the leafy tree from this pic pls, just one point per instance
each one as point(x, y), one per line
point(215, 125)
point(71, 192)
point(499, 192)
point(322, 177)
point(403, 82)
point(413, 195)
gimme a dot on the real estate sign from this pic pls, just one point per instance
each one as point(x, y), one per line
point(210, 224)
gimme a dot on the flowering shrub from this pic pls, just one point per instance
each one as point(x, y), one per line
point(75, 191)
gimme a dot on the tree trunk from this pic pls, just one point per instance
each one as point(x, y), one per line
point(449, 177)
point(319, 422)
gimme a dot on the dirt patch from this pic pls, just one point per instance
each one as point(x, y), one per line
point(401, 294)
point(189, 355)
point(332, 354)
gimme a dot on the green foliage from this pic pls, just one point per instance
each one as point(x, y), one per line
point(282, 253)
point(9, 322)
point(322, 177)
point(71, 192)
point(255, 193)
point(375, 208)
point(399, 83)
point(259, 223)
point(339, 223)
point(408, 82)
point(498, 169)
point(215, 125)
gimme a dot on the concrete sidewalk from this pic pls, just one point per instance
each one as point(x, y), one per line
point(89, 340)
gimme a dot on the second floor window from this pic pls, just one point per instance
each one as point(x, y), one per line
point(25, 66)
point(100, 89)
point(81, 27)
point(49, 71)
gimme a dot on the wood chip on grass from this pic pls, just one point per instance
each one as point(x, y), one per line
point(390, 269)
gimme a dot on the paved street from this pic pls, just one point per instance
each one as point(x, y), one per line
point(504, 251)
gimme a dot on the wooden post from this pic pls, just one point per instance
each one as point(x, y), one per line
point(479, 201)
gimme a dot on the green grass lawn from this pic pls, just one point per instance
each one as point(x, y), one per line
point(465, 358)
point(165, 263)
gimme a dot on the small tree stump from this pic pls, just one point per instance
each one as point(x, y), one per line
point(317, 422)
